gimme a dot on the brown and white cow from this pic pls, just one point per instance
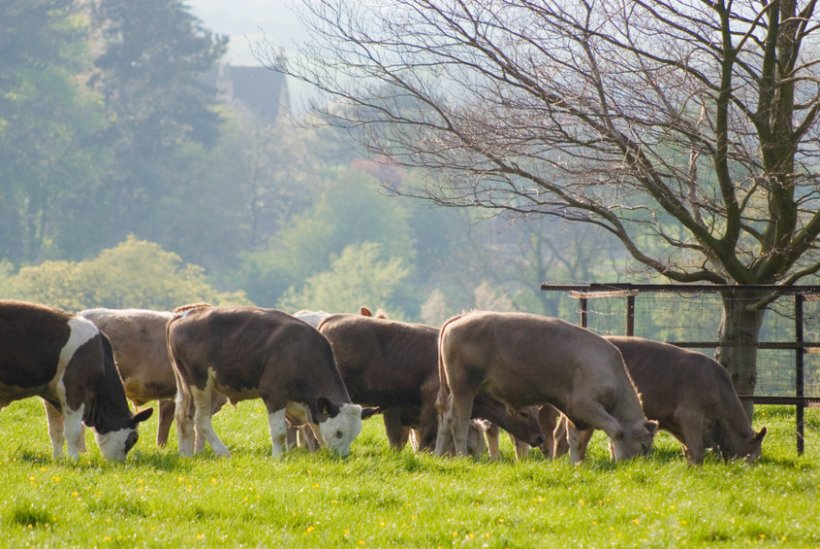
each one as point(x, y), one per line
point(691, 396)
point(394, 366)
point(65, 360)
point(141, 356)
point(249, 352)
point(525, 360)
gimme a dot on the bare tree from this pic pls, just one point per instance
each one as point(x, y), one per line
point(688, 129)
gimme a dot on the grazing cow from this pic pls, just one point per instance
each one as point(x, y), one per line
point(555, 434)
point(141, 355)
point(65, 360)
point(393, 365)
point(526, 360)
point(691, 396)
point(249, 352)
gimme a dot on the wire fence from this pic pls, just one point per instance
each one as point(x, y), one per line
point(788, 356)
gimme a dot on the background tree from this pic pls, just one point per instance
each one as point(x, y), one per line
point(50, 157)
point(151, 76)
point(362, 274)
point(686, 129)
point(135, 273)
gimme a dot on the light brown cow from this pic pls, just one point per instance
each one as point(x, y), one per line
point(526, 360)
point(249, 352)
point(141, 355)
point(65, 360)
point(394, 366)
point(691, 396)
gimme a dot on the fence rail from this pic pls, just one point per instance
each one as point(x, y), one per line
point(585, 292)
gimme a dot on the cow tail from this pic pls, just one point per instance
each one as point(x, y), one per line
point(443, 387)
point(183, 401)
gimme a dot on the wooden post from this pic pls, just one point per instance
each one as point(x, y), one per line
point(799, 369)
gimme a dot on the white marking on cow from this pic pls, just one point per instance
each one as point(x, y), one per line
point(203, 428)
point(113, 444)
point(278, 432)
point(339, 431)
point(314, 318)
point(82, 330)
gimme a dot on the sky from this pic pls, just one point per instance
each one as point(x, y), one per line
point(248, 22)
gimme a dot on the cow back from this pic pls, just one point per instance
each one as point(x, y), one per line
point(383, 362)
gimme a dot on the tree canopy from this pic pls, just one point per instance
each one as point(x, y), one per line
point(687, 129)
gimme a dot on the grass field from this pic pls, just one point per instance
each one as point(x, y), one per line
point(380, 498)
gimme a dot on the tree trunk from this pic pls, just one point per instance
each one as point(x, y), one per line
point(738, 336)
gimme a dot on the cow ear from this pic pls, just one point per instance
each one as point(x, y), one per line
point(370, 412)
point(143, 415)
point(326, 407)
point(364, 311)
point(760, 434)
point(651, 426)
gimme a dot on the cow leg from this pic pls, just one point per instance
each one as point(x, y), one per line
point(476, 441)
point(397, 434)
point(522, 449)
point(427, 432)
point(184, 421)
point(460, 412)
point(577, 440)
point(166, 417)
point(491, 434)
point(291, 437)
point(306, 439)
point(73, 429)
point(278, 432)
point(202, 421)
point(55, 429)
point(560, 444)
point(692, 437)
point(593, 415)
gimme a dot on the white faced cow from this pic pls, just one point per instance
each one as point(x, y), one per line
point(526, 360)
point(248, 352)
point(691, 396)
point(65, 360)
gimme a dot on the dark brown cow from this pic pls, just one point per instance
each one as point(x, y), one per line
point(393, 365)
point(66, 361)
point(526, 360)
point(141, 356)
point(248, 352)
point(691, 396)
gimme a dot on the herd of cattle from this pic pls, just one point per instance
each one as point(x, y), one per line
point(548, 383)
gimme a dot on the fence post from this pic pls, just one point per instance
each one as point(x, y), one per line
point(798, 372)
point(630, 314)
point(583, 312)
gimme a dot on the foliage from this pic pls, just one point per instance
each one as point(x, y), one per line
point(381, 498)
point(361, 274)
point(51, 161)
point(136, 273)
point(348, 212)
point(151, 77)
point(688, 126)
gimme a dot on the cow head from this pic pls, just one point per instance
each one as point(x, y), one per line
point(115, 445)
point(749, 448)
point(342, 425)
point(634, 440)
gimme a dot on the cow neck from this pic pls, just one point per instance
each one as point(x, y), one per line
point(108, 409)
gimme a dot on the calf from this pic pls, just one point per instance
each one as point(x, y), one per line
point(248, 352)
point(65, 360)
point(526, 360)
point(691, 396)
point(141, 356)
point(393, 365)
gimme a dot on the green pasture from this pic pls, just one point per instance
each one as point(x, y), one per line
point(381, 498)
